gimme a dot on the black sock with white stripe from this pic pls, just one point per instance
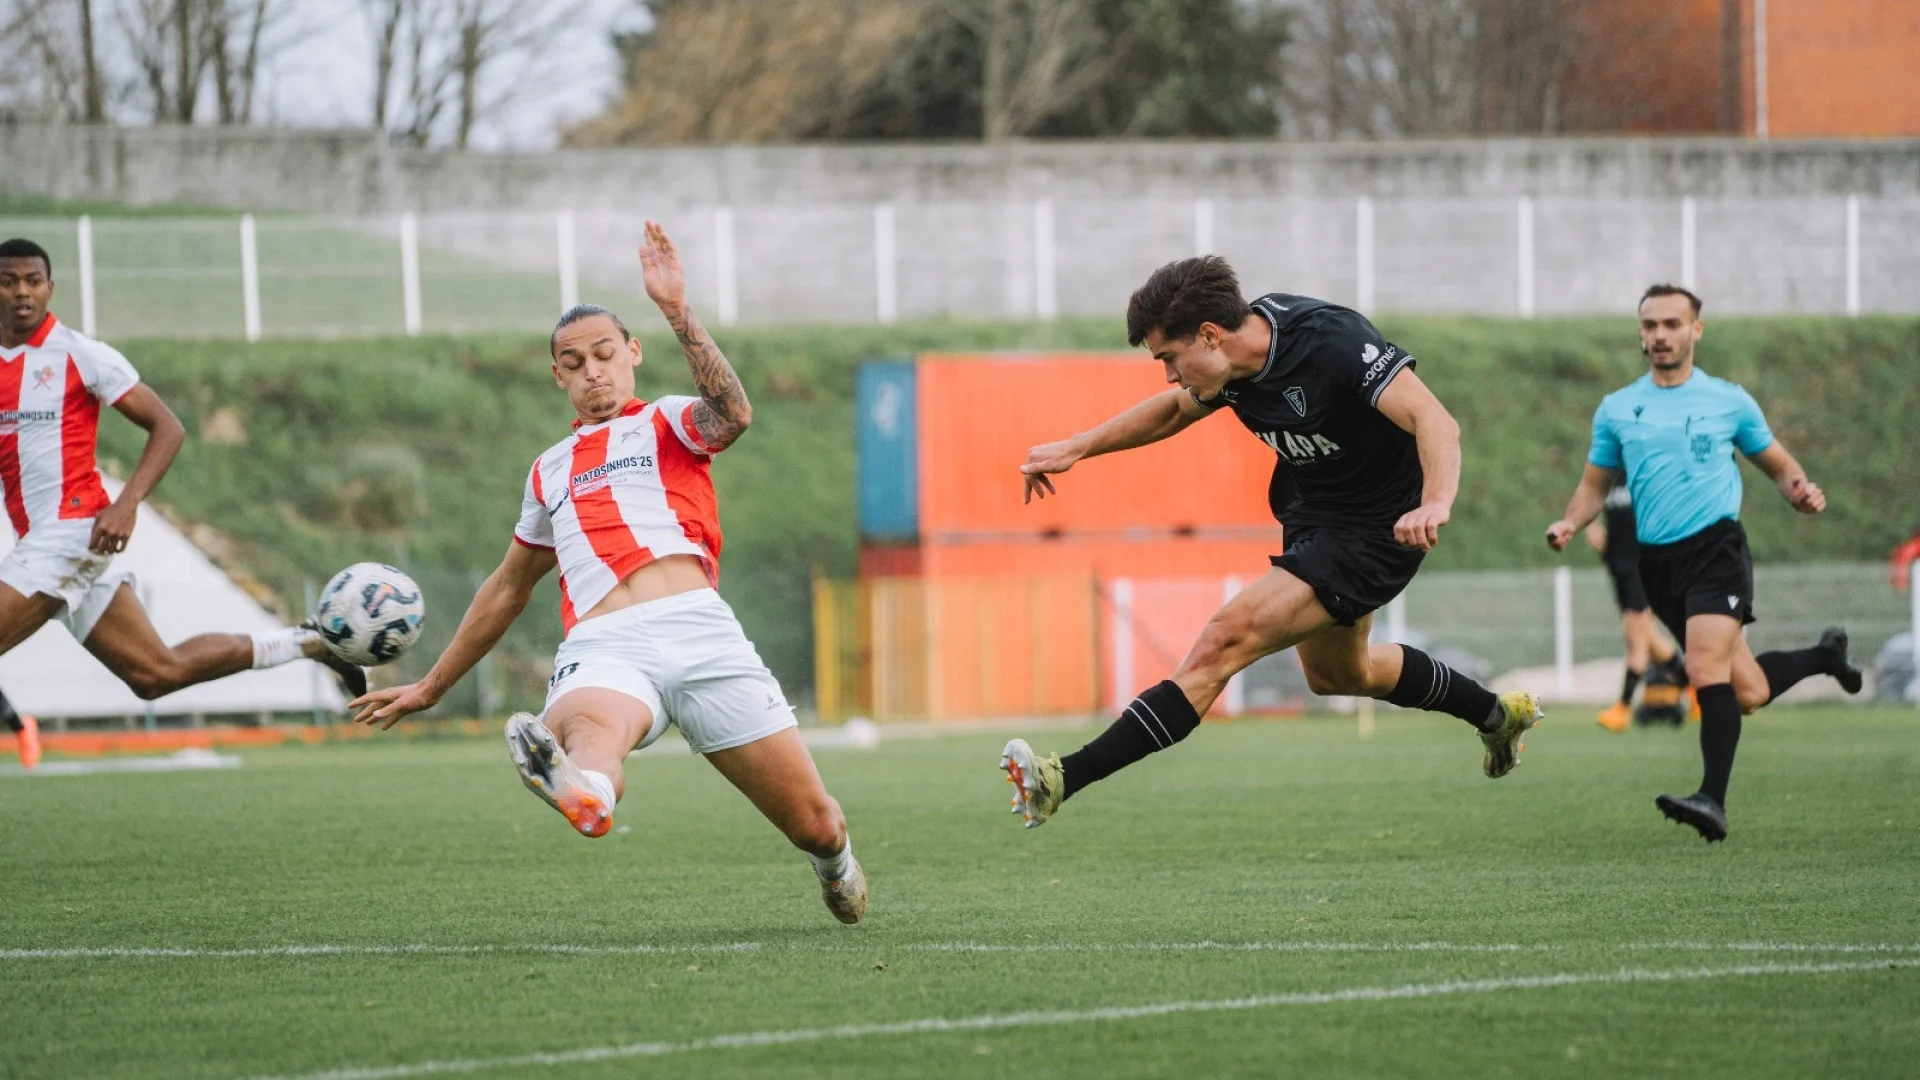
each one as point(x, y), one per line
point(1426, 683)
point(1157, 719)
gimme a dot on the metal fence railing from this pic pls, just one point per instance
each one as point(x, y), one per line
point(936, 648)
point(278, 275)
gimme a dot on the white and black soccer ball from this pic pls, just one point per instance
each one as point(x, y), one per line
point(370, 613)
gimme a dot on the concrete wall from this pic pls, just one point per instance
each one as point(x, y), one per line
point(802, 234)
point(355, 172)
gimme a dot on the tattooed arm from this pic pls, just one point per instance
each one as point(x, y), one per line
point(723, 412)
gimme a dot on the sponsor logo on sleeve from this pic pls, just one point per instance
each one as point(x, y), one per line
point(1377, 362)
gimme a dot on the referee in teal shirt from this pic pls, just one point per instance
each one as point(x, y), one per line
point(1673, 433)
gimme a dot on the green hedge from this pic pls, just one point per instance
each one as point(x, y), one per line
point(416, 450)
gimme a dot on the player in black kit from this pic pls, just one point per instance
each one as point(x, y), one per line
point(1647, 649)
point(1369, 462)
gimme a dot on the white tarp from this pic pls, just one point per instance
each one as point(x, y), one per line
point(184, 594)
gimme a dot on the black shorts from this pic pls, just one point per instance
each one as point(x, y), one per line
point(1627, 590)
point(1353, 572)
point(1708, 573)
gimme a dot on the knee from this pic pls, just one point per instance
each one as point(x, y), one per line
point(1217, 653)
point(819, 828)
point(1701, 672)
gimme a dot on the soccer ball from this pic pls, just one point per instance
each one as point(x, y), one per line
point(370, 613)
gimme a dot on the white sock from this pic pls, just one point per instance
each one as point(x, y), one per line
point(835, 866)
point(271, 648)
point(602, 785)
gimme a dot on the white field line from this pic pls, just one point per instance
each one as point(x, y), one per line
point(135, 952)
point(167, 953)
point(994, 1022)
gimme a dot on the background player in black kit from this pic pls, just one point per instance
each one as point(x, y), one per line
point(1369, 462)
point(1612, 535)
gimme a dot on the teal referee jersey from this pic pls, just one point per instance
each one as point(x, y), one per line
point(1676, 446)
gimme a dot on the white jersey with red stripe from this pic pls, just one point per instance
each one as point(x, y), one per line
point(50, 396)
point(614, 496)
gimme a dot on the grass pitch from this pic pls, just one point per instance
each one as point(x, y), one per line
point(1267, 899)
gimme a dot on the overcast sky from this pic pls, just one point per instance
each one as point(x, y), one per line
point(321, 74)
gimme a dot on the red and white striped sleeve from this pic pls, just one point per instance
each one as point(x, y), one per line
point(535, 529)
point(104, 371)
point(678, 409)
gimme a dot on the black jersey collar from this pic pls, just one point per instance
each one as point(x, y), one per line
point(1270, 311)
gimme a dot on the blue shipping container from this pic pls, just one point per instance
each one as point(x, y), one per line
point(886, 442)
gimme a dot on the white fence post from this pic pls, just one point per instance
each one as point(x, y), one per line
point(1363, 254)
point(1122, 638)
point(1525, 256)
point(725, 271)
point(250, 276)
point(1046, 300)
point(410, 272)
point(1203, 226)
point(1563, 632)
point(1236, 695)
point(1689, 244)
point(84, 235)
point(568, 250)
point(1853, 255)
point(1913, 590)
point(886, 280)
point(1397, 619)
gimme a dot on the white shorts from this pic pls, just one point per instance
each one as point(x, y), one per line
point(53, 559)
point(686, 657)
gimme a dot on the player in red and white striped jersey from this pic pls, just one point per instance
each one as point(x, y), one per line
point(53, 381)
point(624, 507)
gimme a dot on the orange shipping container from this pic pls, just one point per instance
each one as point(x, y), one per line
point(979, 415)
point(1106, 557)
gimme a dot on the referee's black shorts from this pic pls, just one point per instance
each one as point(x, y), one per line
point(1353, 572)
point(1708, 573)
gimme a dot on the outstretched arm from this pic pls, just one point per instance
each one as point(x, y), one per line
point(723, 412)
point(1160, 416)
point(1412, 407)
point(1588, 500)
point(114, 525)
point(500, 600)
point(1801, 493)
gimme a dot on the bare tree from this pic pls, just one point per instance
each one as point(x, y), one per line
point(751, 70)
point(386, 17)
point(1040, 57)
point(43, 47)
point(1387, 68)
point(94, 109)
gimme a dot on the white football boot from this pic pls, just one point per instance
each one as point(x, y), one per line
point(547, 772)
point(847, 898)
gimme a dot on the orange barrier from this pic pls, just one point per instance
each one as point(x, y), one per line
point(98, 743)
point(956, 648)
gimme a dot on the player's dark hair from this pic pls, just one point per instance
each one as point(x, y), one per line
point(1670, 290)
point(1181, 295)
point(575, 314)
point(18, 248)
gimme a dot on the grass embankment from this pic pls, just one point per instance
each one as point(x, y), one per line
point(417, 450)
